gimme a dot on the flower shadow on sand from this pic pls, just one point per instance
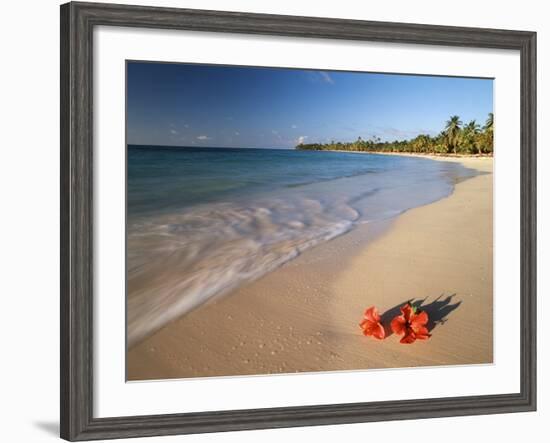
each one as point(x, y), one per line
point(438, 310)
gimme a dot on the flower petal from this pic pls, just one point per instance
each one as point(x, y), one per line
point(420, 319)
point(372, 314)
point(379, 332)
point(422, 333)
point(369, 327)
point(408, 338)
point(407, 311)
point(399, 325)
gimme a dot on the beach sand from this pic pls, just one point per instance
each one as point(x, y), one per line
point(304, 316)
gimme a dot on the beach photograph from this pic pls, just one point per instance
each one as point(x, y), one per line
point(283, 220)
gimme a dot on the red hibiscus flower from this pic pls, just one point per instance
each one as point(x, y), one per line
point(411, 324)
point(371, 324)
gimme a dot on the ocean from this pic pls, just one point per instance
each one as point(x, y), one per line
point(203, 221)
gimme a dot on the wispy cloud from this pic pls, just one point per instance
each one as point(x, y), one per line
point(320, 77)
point(294, 126)
point(237, 133)
point(325, 76)
point(203, 137)
point(301, 139)
point(173, 132)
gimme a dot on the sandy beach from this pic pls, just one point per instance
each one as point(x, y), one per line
point(304, 316)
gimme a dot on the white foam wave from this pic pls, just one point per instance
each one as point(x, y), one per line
point(180, 261)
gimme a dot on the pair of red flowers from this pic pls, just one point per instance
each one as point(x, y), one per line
point(411, 324)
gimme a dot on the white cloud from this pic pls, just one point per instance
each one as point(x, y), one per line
point(203, 137)
point(320, 77)
point(301, 139)
point(325, 77)
point(237, 133)
point(293, 126)
point(173, 132)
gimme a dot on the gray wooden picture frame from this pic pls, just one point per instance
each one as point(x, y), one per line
point(77, 23)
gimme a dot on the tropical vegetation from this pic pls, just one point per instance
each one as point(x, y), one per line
point(456, 138)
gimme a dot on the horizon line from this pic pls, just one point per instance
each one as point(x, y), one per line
point(206, 147)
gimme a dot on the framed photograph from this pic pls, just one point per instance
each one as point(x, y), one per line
point(272, 221)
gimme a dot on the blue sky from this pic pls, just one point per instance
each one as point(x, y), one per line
point(230, 106)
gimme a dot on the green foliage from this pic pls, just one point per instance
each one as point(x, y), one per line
point(453, 131)
point(454, 139)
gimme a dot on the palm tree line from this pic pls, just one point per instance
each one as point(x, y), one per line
point(457, 138)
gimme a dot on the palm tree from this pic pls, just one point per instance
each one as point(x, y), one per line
point(489, 123)
point(472, 127)
point(423, 143)
point(455, 138)
point(487, 137)
point(470, 132)
point(452, 131)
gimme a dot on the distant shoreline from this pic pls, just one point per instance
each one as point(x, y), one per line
point(346, 151)
point(407, 154)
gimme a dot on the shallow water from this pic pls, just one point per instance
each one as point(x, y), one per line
point(202, 221)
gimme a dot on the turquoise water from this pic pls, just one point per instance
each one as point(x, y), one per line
point(202, 221)
point(166, 178)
